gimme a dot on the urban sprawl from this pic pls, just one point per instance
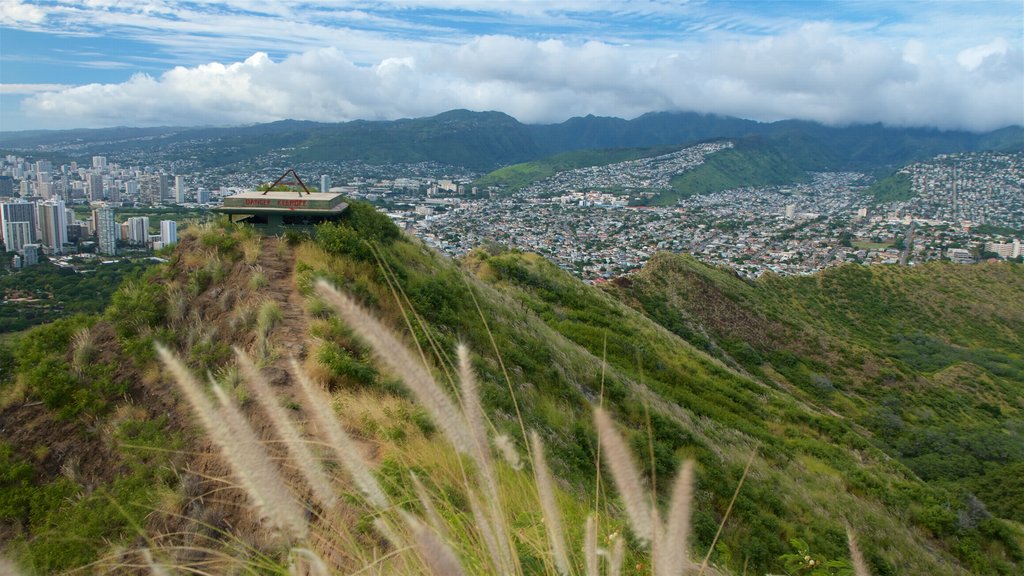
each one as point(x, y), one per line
point(594, 222)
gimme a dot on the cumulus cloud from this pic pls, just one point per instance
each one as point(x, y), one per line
point(815, 72)
point(17, 12)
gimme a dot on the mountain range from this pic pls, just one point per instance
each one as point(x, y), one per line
point(484, 141)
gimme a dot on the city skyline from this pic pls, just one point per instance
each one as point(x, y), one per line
point(935, 64)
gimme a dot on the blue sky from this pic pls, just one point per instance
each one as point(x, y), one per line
point(93, 63)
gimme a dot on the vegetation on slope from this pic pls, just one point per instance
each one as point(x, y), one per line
point(546, 348)
point(752, 162)
point(896, 186)
point(522, 175)
point(926, 359)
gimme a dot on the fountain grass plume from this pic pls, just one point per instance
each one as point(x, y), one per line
point(247, 449)
point(306, 463)
point(619, 460)
point(590, 557)
point(348, 454)
point(674, 559)
point(548, 505)
point(268, 494)
point(313, 564)
point(393, 353)
point(860, 566)
point(438, 556)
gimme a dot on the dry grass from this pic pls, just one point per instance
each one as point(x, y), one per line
point(445, 538)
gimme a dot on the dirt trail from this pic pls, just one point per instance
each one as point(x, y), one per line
point(278, 261)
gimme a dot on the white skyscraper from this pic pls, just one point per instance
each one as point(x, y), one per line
point(18, 219)
point(107, 230)
point(325, 183)
point(138, 230)
point(203, 196)
point(168, 232)
point(99, 162)
point(179, 189)
point(53, 225)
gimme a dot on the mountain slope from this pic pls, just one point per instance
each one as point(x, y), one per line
point(546, 347)
point(926, 358)
point(484, 141)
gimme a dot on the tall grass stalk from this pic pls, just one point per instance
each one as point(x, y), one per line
point(346, 450)
point(728, 511)
point(305, 462)
point(860, 566)
point(283, 509)
point(673, 559)
point(619, 460)
point(548, 505)
point(267, 492)
point(413, 373)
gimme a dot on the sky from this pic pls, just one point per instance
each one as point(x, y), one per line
point(948, 64)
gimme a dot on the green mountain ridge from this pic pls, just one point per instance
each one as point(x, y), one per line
point(820, 377)
point(485, 141)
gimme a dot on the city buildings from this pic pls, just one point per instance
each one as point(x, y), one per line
point(168, 232)
point(53, 225)
point(179, 189)
point(107, 230)
point(137, 230)
point(18, 221)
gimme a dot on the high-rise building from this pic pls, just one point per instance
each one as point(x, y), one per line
point(53, 225)
point(6, 186)
point(95, 186)
point(18, 220)
point(138, 230)
point(164, 183)
point(325, 183)
point(43, 166)
point(30, 254)
point(44, 185)
point(179, 189)
point(114, 193)
point(203, 196)
point(99, 162)
point(149, 189)
point(106, 230)
point(168, 232)
point(17, 234)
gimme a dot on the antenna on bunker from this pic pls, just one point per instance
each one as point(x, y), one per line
point(293, 182)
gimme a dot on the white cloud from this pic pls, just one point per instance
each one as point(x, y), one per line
point(974, 56)
point(815, 72)
point(14, 12)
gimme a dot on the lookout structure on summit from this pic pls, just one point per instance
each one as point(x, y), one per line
point(272, 211)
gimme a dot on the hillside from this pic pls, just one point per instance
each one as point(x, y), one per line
point(99, 448)
point(485, 141)
point(926, 359)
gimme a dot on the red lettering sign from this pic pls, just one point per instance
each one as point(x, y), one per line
point(257, 202)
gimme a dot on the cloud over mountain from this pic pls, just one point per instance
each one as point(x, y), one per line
point(817, 71)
